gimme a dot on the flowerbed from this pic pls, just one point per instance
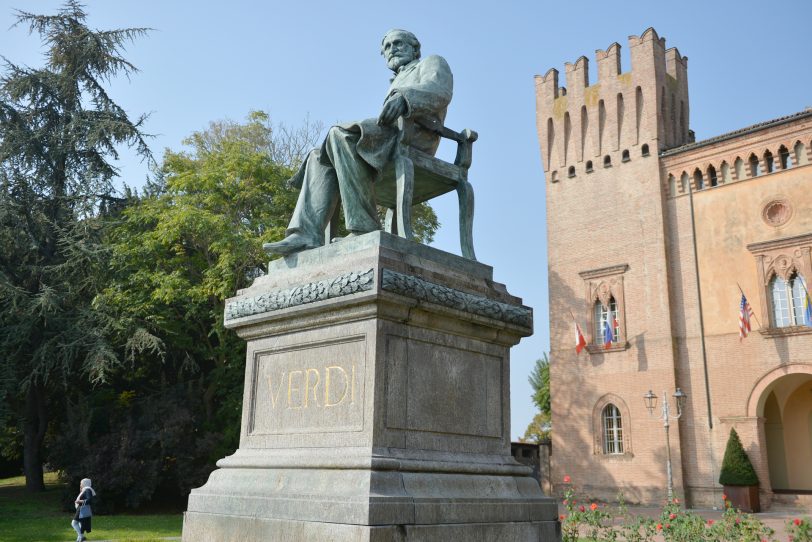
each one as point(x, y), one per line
point(590, 521)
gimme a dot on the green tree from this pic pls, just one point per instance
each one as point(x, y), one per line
point(540, 381)
point(541, 425)
point(737, 470)
point(192, 239)
point(59, 130)
point(538, 429)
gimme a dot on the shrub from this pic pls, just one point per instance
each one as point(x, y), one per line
point(737, 470)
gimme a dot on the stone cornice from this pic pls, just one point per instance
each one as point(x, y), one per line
point(604, 271)
point(346, 284)
point(784, 242)
point(423, 290)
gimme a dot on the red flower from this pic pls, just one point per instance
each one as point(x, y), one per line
point(581, 508)
point(667, 525)
point(738, 521)
point(710, 522)
point(567, 479)
point(659, 526)
point(593, 506)
point(724, 497)
point(796, 521)
point(562, 517)
point(672, 516)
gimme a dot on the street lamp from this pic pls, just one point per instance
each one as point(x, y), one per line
point(651, 403)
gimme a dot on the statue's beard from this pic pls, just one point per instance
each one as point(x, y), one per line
point(396, 62)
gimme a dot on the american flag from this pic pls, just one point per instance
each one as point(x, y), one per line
point(745, 312)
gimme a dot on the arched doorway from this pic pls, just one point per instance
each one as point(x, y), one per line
point(784, 401)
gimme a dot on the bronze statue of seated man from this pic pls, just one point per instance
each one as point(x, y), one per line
point(353, 155)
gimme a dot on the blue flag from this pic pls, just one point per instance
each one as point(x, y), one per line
point(608, 336)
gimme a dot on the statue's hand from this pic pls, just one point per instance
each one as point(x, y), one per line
point(392, 109)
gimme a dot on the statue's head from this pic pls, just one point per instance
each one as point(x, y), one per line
point(399, 47)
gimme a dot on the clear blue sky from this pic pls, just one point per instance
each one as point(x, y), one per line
point(209, 60)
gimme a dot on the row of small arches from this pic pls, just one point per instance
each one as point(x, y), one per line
point(672, 125)
point(589, 166)
point(595, 137)
point(755, 166)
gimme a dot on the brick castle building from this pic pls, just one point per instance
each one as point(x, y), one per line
point(659, 232)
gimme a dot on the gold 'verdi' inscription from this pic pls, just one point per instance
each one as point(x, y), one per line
point(327, 387)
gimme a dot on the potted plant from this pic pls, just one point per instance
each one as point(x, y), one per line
point(739, 477)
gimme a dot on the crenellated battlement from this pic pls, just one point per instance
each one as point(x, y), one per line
point(577, 74)
point(675, 65)
point(608, 62)
point(647, 104)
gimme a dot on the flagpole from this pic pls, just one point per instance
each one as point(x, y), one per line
point(754, 312)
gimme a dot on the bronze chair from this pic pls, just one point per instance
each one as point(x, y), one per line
point(414, 176)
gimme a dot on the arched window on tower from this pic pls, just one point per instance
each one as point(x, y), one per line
point(612, 423)
point(602, 316)
point(755, 166)
point(738, 165)
point(684, 180)
point(787, 299)
point(699, 182)
point(725, 172)
point(672, 185)
point(712, 176)
point(644, 150)
point(784, 158)
point(800, 153)
point(589, 168)
point(769, 164)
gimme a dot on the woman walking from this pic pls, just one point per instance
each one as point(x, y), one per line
point(81, 520)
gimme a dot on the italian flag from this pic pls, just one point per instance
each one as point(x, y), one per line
point(580, 341)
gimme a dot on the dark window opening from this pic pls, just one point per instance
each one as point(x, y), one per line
point(714, 181)
point(699, 182)
point(625, 156)
point(784, 157)
point(571, 171)
point(755, 167)
point(607, 161)
point(589, 168)
point(645, 150)
point(768, 162)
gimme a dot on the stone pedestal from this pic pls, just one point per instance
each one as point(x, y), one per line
point(376, 406)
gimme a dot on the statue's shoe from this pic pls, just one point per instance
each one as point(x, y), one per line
point(294, 242)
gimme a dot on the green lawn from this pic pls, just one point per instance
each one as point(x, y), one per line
point(39, 517)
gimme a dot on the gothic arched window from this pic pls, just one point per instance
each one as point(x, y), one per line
point(602, 315)
point(787, 299)
point(612, 423)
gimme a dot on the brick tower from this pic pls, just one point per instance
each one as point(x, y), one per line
point(608, 260)
point(654, 239)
